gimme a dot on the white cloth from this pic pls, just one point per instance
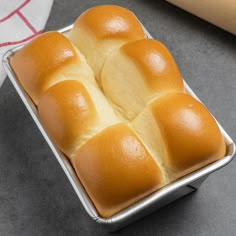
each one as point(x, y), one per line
point(20, 21)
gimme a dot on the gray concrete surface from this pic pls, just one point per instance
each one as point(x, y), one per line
point(35, 196)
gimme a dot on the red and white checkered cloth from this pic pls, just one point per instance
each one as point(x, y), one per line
point(20, 21)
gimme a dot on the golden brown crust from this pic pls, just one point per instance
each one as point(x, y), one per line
point(109, 21)
point(116, 169)
point(191, 135)
point(67, 113)
point(38, 60)
point(156, 64)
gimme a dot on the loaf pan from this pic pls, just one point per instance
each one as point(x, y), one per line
point(158, 199)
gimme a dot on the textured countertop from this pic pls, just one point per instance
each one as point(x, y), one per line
point(35, 196)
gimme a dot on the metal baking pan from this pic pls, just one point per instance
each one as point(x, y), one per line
point(158, 199)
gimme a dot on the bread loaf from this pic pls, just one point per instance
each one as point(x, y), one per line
point(133, 132)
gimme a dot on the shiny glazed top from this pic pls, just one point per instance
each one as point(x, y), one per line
point(34, 69)
point(155, 63)
point(108, 21)
point(189, 131)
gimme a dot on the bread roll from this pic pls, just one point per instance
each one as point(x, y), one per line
point(101, 29)
point(180, 133)
point(46, 60)
point(116, 169)
point(73, 112)
point(138, 72)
